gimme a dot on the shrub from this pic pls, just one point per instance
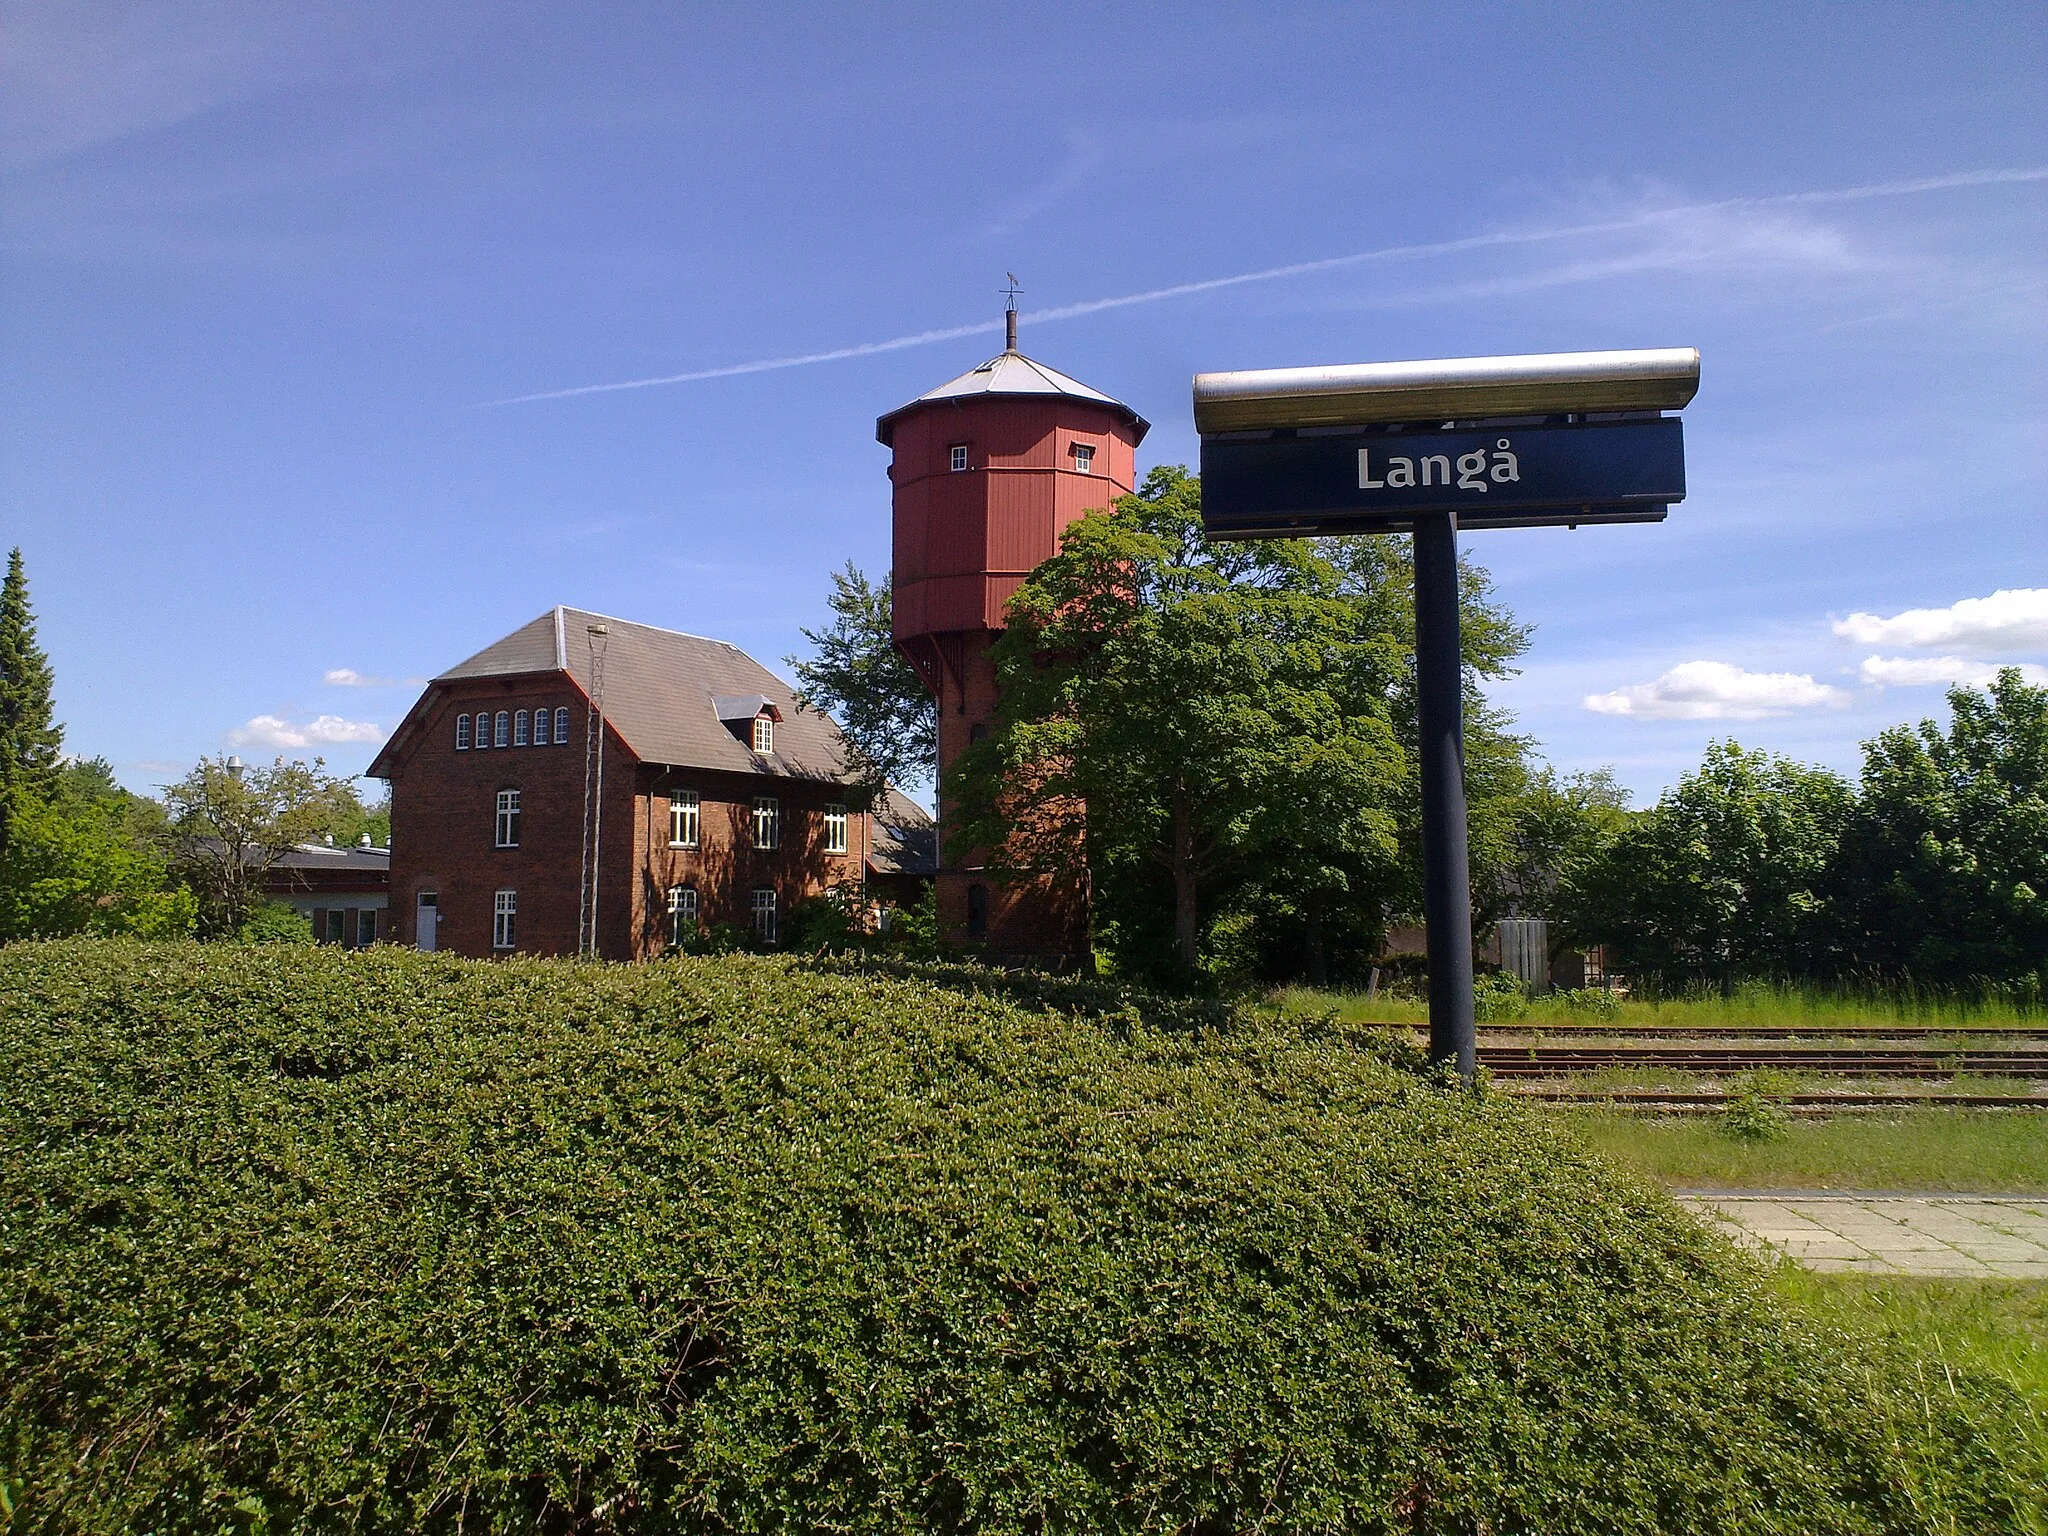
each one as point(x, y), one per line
point(303, 1239)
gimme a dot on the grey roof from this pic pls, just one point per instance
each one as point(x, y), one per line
point(659, 691)
point(1012, 373)
point(906, 842)
point(743, 706)
point(319, 856)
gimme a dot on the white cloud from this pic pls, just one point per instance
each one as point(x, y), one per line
point(327, 730)
point(2009, 620)
point(1909, 671)
point(349, 677)
point(1714, 690)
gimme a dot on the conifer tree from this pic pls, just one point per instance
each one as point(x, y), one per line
point(30, 738)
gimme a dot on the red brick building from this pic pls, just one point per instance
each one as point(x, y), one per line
point(987, 470)
point(706, 798)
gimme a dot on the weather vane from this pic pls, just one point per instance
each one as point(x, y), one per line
point(1010, 312)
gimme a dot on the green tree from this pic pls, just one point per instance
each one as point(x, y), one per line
point(229, 825)
point(1947, 866)
point(1214, 730)
point(78, 868)
point(1729, 875)
point(1555, 829)
point(858, 677)
point(31, 740)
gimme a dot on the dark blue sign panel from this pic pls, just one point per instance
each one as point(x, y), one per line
point(1374, 480)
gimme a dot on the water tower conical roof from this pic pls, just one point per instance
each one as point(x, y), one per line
point(1010, 373)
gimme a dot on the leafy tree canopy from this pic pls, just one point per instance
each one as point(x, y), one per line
point(31, 740)
point(1728, 875)
point(1233, 717)
point(230, 825)
point(861, 680)
point(1947, 865)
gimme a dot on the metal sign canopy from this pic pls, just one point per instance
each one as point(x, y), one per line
point(1422, 448)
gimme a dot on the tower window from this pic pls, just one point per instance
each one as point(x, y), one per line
point(462, 733)
point(959, 456)
point(501, 732)
point(767, 822)
point(520, 736)
point(764, 733)
point(504, 913)
point(508, 818)
point(835, 829)
point(682, 914)
point(764, 914)
point(977, 910)
point(1084, 458)
point(685, 818)
point(562, 726)
point(540, 727)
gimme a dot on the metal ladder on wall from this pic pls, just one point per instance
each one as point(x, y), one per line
point(598, 636)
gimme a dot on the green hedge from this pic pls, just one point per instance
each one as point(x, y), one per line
point(300, 1239)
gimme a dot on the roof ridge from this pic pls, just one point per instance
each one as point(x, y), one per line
point(659, 629)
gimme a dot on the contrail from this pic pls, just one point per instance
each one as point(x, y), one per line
point(1303, 268)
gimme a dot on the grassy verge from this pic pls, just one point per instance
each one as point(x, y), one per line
point(1938, 1335)
point(1984, 1151)
point(1754, 1006)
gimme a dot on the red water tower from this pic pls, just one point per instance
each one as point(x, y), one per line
point(987, 470)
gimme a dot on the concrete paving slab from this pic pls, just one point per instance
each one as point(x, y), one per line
point(1889, 1234)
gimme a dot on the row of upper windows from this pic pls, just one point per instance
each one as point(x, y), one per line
point(1083, 455)
point(513, 728)
point(686, 822)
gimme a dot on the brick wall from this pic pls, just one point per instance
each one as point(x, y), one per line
point(443, 805)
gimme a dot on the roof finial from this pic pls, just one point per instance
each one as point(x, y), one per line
point(1010, 313)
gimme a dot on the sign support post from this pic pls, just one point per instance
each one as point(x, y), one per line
point(1440, 718)
point(1423, 448)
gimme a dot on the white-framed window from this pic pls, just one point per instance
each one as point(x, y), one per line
point(767, 822)
point(835, 829)
point(1084, 458)
point(540, 727)
point(504, 918)
point(957, 454)
point(520, 735)
point(462, 733)
point(501, 729)
point(682, 913)
point(685, 818)
point(366, 927)
point(562, 726)
point(508, 818)
point(764, 733)
point(764, 914)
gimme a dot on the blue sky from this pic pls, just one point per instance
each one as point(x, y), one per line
point(267, 267)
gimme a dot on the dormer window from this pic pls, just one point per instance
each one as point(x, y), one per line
point(959, 456)
point(1084, 459)
point(750, 717)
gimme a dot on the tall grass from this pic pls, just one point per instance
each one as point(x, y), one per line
point(1755, 1005)
point(1991, 1151)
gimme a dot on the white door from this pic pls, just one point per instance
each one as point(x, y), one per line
point(427, 920)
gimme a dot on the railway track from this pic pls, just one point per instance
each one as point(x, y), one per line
point(1655, 1098)
point(1900, 1032)
point(1559, 1061)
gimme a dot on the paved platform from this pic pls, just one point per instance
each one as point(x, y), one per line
point(1953, 1235)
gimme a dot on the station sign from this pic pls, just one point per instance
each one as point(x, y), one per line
point(1324, 480)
